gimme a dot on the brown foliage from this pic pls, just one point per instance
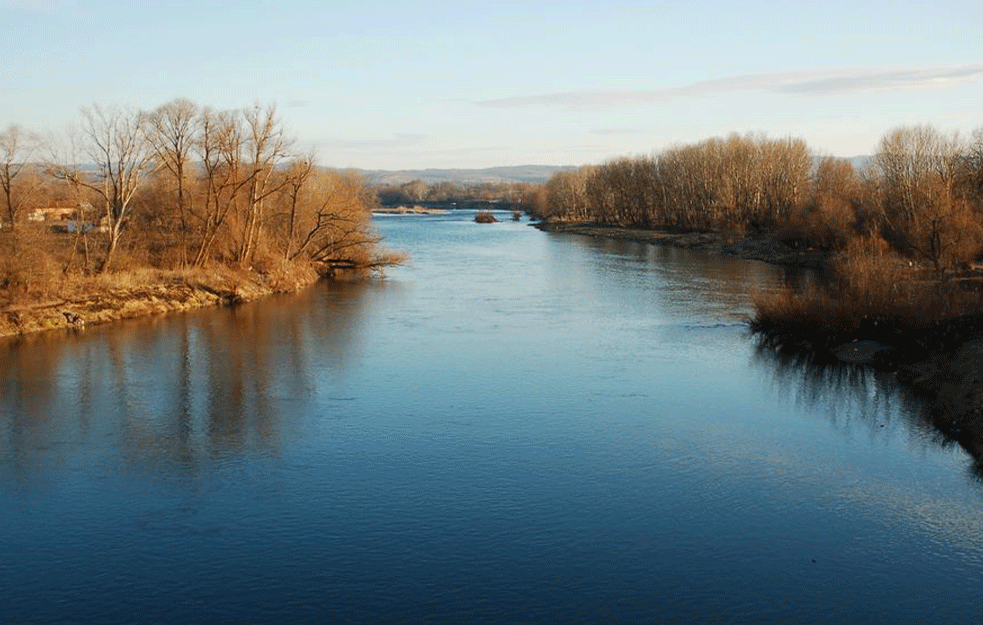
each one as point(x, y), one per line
point(185, 187)
point(920, 204)
point(739, 183)
point(27, 269)
point(828, 220)
point(872, 289)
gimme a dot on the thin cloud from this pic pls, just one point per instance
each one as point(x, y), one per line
point(815, 83)
point(889, 80)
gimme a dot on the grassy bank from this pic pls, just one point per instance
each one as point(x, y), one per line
point(75, 302)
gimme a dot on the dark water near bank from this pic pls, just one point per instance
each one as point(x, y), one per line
point(520, 427)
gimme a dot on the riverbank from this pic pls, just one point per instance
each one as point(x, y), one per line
point(938, 366)
point(410, 210)
point(81, 303)
point(761, 248)
point(940, 361)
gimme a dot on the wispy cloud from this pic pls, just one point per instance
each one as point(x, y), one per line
point(814, 83)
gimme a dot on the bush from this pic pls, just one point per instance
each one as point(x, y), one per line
point(872, 290)
point(27, 270)
point(484, 217)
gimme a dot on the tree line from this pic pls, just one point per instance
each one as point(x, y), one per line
point(922, 192)
point(180, 186)
point(518, 195)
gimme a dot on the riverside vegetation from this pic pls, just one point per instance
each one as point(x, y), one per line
point(898, 238)
point(148, 211)
point(897, 242)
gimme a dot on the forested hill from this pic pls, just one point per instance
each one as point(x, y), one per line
point(463, 177)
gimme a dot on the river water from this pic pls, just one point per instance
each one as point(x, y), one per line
point(516, 427)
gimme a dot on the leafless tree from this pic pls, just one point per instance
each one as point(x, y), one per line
point(266, 146)
point(17, 148)
point(115, 143)
point(918, 202)
point(297, 176)
point(173, 130)
point(220, 152)
point(335, 229)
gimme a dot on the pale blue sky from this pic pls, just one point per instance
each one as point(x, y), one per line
point(418, 84)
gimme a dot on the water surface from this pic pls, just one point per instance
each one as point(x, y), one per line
point(518, 427)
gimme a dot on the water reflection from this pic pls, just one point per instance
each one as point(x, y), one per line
point(175, 390)
point(484, 437)
point(855, 396)
point(691, 282)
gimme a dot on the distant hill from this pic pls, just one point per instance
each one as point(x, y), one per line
point(463, 177)
point(497, 175)
point(860, 162)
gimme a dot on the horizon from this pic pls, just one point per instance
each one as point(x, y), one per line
point(403, 86)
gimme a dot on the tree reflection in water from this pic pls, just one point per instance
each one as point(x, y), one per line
point(177, 390)
point(866, 396)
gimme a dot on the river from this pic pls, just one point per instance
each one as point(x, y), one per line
point(515, 427)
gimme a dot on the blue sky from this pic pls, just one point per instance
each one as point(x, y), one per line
point(419, 84)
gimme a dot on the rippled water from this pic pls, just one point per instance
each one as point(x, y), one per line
point(519, 427)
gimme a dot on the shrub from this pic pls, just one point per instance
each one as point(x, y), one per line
point(27, 270)
point(872, 290)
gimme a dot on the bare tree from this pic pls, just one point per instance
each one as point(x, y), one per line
point(266, 147)
point(220, 151)
point(971, 172)
point(297, 176)
point(173, 132)
point(918, 203)
point(115, 143)
point(17, 148)
point(334, 225)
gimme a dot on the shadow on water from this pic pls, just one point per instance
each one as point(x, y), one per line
point(695, 281)
point(866, 395)
point(176, 390)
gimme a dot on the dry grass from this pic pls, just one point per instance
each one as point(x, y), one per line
point(873, 292)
